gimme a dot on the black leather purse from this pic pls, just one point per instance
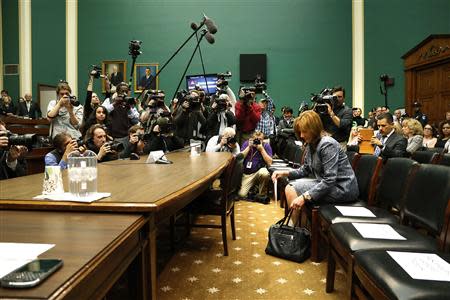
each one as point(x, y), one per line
point(292, 243)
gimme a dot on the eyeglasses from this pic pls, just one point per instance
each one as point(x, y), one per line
point(429, 128)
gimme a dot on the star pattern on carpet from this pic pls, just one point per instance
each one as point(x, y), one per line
point(216, 270)
point(166, 288)
point(236, 280)
point(176, 269)
point(308, 292)
point(276, 263)
point(219, 254)
point(315, 264)
point(258, 271)
point(213, 290)
point(256, 255)
point(198, 261)
point(261, 291)
point(281, 280)
point(299, 271)
point(237, 262)
point(237, 248)
point(255, 243)
point(192, 279)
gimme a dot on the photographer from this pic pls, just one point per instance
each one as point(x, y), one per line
point(96, 140)
point(338, 119)
point(248, 113)
point(189, 118)
point(12, 163)
point(220, 116)
point(162, 137)
point(92, 100)
point(64, 144)
point(287, 122)
point(154, 107)
point(226, 142)
point(66, 113)
point(267, 122)
point(257, 159)
point(134, 146)
point(222, 86)
point(122, 112)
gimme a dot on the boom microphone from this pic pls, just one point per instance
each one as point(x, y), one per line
point(194, 26)
point(212, 28)
point(209, 37)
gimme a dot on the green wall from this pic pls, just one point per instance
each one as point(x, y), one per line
point(308, 43)
point(48, 42)
point(10, 24)
point(392, 28)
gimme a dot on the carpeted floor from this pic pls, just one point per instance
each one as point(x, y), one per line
point(198, 269)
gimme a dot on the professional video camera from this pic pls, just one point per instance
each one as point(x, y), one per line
point(222, 81)
point(322, 99)
point(74, 101)
point(134, 48)
point(96, 71)
point(194, 102)
point(222, 104)
point(155, 99)
point(20, 139)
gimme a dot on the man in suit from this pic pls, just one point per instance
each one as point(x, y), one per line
point(144, 82)
point(388, 143)
point(116, 76)
point(28, 108)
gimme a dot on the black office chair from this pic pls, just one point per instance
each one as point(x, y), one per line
point(426, 199)
point(445, 159)
point(426, 157)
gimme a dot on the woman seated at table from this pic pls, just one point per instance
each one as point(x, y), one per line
point(326, 175)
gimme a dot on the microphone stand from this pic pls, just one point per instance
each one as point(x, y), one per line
point(203, 65)
point(385, 93)
point(167, 62)
point(189, 63)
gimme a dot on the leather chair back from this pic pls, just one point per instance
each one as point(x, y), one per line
point(353, 158)
point(366, 172)
point(445, 159)
point(234, 179)
point(393, 181)
point(427, 198)
point(425, 157)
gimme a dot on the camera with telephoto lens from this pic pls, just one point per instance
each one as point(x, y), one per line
point(134, 48)
point(222, 104)
point(20, 139)
point(74, 101)
point(96, 71)
point(115, 146)
point(322, 99)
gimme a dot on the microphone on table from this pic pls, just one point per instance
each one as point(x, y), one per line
point(162, 160)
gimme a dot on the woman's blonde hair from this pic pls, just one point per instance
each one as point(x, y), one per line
point(415, 126)
point(309, 121)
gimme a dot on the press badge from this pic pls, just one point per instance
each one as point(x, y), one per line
point(249, 165)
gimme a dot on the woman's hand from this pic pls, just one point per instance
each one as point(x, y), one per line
point(279, 174)
point(298, 202)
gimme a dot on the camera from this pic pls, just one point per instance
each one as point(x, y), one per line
point(74, 101)
point(115, 146)
point(125, 99)
point(222, 82)
point(260, 86)
point(256, 142)
point(96, 71)
point(322, 99)
point(134, 48)
point(232, 140)
point(222, 104)
point(20, 139)
point(181, 95)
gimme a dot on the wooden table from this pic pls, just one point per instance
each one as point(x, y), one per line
point(156, 190)
point(96, 250)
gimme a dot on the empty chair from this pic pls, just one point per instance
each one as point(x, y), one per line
point(426, 199)
point(425, 157)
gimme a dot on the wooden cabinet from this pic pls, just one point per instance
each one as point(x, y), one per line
point(427, 77)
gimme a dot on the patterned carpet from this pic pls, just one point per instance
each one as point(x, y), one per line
point(198, 269)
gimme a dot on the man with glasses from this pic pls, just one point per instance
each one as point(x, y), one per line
point(65, 114)
point(340, 117)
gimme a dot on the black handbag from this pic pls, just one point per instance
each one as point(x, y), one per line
point(292, 243)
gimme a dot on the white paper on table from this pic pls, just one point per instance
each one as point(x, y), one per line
point(377, 231)
point(355, 211)
point(15, 255)
point(424, 266)
point(70, 197)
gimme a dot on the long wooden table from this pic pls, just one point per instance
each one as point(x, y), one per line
point(155, 190)
point(96, 250)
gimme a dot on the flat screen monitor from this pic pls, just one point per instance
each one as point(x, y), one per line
point(194, 80)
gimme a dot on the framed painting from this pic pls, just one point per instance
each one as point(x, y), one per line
point(144, 77)
point(116, 71)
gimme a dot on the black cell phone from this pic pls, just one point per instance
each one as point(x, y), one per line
point(31, 274)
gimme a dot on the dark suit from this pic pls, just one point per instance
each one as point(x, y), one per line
point(144, 83)
point(116, 78)
point(33, 113)
point(394, 146)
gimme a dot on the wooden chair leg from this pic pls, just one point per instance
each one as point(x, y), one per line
point(331, 271)
point(233, 226)
point(224, 234)
point(315, 257)
point(349, 280)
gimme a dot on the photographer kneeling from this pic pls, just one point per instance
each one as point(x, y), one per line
point(257, 158)
point(333, 178)
point(226, 142)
